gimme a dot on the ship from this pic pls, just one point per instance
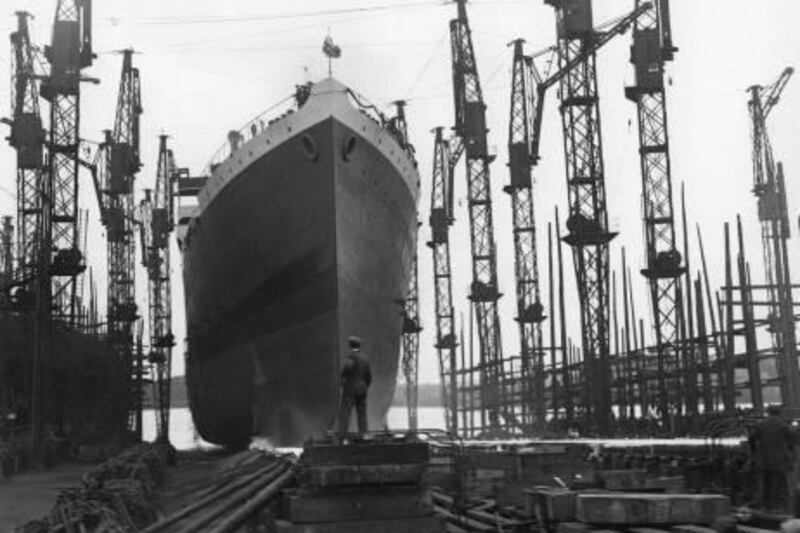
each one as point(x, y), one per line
point(302, 235)
point(80, 381)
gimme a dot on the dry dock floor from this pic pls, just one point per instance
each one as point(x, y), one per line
point(31, 494)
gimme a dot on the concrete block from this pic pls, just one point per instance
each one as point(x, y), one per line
point(573, 527)
point(366, 453)
point(550, 504)
point(427, 524)
point(689, 528)
point(670, 485)
point(650, 509)
point(340, 505)
point(622, 479)
point(740, 528)
point(344, 475)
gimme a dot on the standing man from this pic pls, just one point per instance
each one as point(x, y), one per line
point(356, 377)
point(772, 445)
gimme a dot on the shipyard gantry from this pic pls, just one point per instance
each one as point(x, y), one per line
point(609, 366)
point(704, 354)
point(638, 342)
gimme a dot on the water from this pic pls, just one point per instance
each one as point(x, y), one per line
point(183, 436)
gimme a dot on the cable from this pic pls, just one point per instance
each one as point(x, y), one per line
point(285, 47)
point(8, 192)
point(260, 18)
point(426, 65)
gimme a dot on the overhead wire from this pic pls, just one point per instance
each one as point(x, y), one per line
point(157, 21)
point(426, 65)
point(290, 47)
point(261, 32)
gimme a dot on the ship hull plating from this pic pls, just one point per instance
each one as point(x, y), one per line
point(309, 244)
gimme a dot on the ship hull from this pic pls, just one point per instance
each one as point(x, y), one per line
point(79, 378)
point(309, 244)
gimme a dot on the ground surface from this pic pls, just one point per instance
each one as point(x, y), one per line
point(30, 495)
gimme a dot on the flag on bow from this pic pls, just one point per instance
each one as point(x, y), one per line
point(330, 49)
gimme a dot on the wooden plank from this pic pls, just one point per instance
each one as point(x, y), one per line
point(366, 453)
point(740, 528)
point(690, 528)
point(344, 475)
point(427, 524)
point(341, 505)
point(622, 479)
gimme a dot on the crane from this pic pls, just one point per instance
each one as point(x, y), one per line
point(115, 195)
point(525, 124)
point(411, 324)
point(158, 220)
point(6, 250)
point(70, 51)
point(652, 48)
point(470, 129)
point(441, 218)
point(770, 191)
point(53, 202)
point(411, 330)
point(587, 224)
point(27, 138)
point(530, 312)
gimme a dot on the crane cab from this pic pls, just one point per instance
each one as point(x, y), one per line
point(576, 18)
point(647, 60)
point(122, 169)
point(27, 136)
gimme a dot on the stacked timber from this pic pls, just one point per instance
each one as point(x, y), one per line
point(363, 485)
point(115, 496)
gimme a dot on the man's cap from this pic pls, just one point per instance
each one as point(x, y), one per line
point(353, 341)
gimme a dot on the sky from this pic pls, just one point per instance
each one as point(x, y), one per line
point(208, 67)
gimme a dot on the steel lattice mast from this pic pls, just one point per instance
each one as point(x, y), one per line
point(158, 221)
point(411, 329)
point(411, 323)
point(652, 47)
point(470, 127)
point(587, 223)
point(69, 52)
point(6, 250)
point(770, 190)
point(441, 218)
point(27, 138)
point(530, 313)
point(122, 163)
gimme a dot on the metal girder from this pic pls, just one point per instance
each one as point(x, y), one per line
point(121, 164)
point(158, 221)
point(411, 329)
point(652, 46)
point(69, 52)
point(470, 127)
point(6, 251)
point(530, 312)
point(440, 222)
point(410, 313)
point(770, 191)
point(27, 138)
point(588, 220)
